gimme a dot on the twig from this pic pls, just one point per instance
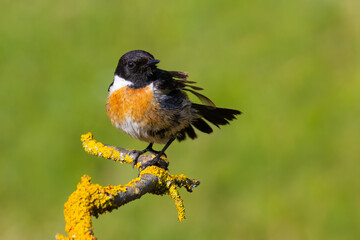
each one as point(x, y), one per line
point(91, 199)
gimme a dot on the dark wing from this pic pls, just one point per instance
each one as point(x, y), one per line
point(186, 85)
point(168, 81)
point(208, 111)
point(179, 75)
point(176, 82)
point(165, 81)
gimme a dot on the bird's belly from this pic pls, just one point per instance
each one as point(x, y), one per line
point(135, 129)
point(137, 113)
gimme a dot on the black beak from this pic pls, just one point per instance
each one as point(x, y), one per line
point(153, 62)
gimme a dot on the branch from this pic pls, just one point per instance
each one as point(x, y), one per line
point(91, 199)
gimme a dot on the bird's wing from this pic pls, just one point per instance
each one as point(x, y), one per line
point(168, 81)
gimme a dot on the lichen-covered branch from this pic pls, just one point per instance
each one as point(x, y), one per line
point(91, 199)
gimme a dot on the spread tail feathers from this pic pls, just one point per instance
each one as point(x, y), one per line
point(215, 115)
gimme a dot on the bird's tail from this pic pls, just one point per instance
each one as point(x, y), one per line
point(214, 115)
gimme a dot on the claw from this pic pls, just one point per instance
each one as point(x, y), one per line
point(155, 162)
point(137, 155)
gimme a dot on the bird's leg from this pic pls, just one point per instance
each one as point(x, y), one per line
point(155, 160)
point(139, 153)
point(151, 150)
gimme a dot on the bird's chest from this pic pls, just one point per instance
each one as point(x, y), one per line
point(132, 109)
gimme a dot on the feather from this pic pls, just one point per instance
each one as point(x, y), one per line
point(194, 87)
point(217, 116)
point(190, 132)
point(202, 98)
point(185, 81)
point(180, 75)
point(202, 125)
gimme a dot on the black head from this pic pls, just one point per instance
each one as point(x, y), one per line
point(136, 66)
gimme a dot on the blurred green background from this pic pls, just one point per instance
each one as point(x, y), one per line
point(289, 168)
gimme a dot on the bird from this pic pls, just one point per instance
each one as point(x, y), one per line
point(152, 105)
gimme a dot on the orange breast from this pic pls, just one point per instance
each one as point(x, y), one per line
point(135, 103)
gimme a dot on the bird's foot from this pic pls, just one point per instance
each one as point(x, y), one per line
point(151, 150)
point(136, 154)
point(156, 153)
point(156, 161)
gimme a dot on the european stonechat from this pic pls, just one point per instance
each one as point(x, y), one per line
point(151, 104)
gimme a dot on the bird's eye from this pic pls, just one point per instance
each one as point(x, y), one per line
point(131, 64)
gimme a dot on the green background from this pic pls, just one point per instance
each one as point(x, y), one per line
point(288, 168)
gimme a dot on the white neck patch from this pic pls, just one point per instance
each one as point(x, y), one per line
point(118, 83)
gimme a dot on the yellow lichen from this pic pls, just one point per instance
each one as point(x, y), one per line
point(93, 147)
point(88, 200)
point(91, 199)
point(168, 186)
